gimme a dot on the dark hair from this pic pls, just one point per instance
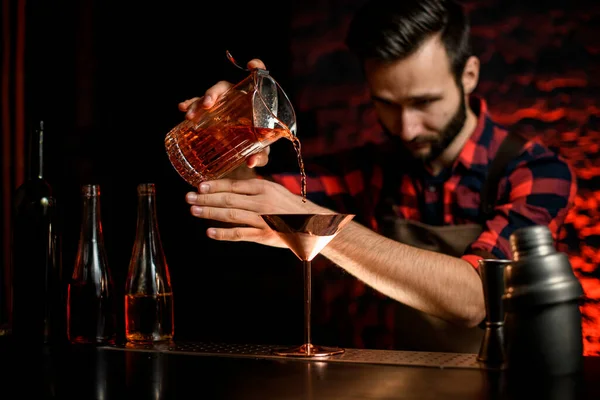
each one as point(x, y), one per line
point(390, 30)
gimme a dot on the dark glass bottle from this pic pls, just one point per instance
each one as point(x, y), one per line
point(38, 289)
point(91, 306)
point(148, 291)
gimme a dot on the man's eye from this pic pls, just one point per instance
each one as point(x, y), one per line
point(422, 102)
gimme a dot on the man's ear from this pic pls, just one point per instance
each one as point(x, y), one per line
point(470, 75)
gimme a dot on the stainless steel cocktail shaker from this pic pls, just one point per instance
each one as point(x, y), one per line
point(541, 299)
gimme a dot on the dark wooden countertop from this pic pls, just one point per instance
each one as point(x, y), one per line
point(222, 371)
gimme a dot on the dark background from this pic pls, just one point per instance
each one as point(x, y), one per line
point(106, 76)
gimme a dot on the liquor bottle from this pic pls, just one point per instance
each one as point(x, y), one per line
point(148, 291)
point(91, 306)
point(38, 289)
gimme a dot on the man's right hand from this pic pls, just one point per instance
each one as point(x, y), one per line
point(190, 107)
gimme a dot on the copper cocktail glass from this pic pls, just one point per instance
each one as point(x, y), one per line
point(306, 235)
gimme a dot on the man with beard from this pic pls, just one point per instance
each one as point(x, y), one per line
point(420, 225)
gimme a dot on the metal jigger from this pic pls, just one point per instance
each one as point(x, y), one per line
point(492, 351)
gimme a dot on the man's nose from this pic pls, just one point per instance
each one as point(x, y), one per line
point(409, 125)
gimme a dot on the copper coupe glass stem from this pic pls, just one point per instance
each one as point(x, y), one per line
point(307, 303)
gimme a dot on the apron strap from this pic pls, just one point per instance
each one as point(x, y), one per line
point(510, 147)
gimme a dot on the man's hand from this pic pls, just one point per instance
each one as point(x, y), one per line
point(239, 203)
point(191, 106)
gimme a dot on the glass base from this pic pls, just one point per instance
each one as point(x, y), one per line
point(308, 350)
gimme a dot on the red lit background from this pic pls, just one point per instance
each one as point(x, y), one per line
point(107, 75)
point(540, 75)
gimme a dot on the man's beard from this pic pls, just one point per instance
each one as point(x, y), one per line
point(447, 135)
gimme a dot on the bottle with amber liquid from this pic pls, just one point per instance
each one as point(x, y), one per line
point(148, 291)
point(38, 289)
point(91, 302)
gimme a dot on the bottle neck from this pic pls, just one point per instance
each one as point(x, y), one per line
point(36, 153)
point(147, 232)
point(148, 272)
point(91, 222)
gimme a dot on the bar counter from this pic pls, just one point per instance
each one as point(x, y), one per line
point(195, 370)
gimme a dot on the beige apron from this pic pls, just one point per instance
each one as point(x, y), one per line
point(415, 330)
point(418, 331)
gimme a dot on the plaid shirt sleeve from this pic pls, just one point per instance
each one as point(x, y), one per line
point(346, 182)
point(326, 189)
point(539, 189)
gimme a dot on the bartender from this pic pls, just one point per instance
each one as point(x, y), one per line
point(445, 189)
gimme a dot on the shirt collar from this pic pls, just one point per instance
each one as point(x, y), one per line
point(481, 134)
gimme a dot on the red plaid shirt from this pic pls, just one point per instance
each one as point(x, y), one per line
point(538, 187)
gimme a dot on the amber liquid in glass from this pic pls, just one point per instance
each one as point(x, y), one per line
point(89, 316)
point(149, 318)
point(202, 154)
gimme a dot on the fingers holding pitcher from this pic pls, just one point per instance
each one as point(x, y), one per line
point(236, 136)
point(212, 94)
point(186, 104)
point(259, 159)
point(256, 63)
